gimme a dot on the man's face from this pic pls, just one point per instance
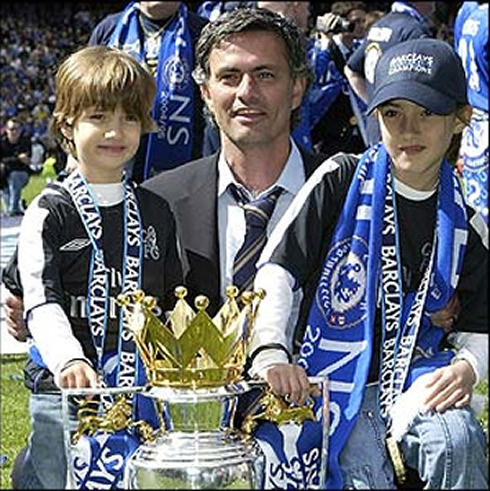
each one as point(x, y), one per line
point(13, 131)
point(357, 16)
point(250, 91)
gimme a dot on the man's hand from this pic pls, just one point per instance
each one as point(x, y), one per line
point(289, 380)
point(14, 316)
point(328, 23)
point(78, 375)
point(447, 316)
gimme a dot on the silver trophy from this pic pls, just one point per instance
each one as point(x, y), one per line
point(194, 368)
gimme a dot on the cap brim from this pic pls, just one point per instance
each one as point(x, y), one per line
point(413, 91)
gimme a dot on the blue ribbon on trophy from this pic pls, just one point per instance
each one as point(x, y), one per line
point(103, 454)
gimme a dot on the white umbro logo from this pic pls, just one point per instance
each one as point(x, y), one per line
point(75, 245)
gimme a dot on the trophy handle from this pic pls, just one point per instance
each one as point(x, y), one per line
point(81, 416)
point(278, 410)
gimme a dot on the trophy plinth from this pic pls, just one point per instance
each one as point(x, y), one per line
point(199, 449)
point(177, 432)
point(194, 366)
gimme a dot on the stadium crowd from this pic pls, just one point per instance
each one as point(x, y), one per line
point(36, 36)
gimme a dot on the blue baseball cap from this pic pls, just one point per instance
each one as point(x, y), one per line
point(425, 71)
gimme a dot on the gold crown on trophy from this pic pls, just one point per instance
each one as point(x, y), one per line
point(191, 349)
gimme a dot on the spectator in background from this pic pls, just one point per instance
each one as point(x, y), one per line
point(169, 32)
point(472, 46)
point(37, 154)
point(463, 12)
point(404, 21)
point(15, 157)
point(34, 37)
point(342, 126)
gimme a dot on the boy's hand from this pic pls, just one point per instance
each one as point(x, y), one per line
point(289, 380)
point(14, 316)
point(447, 316)
point(448, 386)
point(78, 375)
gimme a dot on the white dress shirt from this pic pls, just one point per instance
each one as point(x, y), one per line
point(231, 217)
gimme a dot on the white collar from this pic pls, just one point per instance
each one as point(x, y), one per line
point(291, 179)
point(108, 194)
point(411, 193)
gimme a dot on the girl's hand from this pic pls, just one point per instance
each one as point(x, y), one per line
point(448, 386)
point(290, 380)
point(78, 375)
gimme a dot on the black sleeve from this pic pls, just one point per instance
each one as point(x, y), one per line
point(11, 276)
point(173, 262)
point(473, 284)
point(162, 257)
point(303, 244)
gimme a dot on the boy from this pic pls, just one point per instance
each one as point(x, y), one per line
point(404, 241)
point(84, 241)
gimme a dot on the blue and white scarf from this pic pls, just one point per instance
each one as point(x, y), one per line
point(124, 367)
point(173, 108)
point(474, 154)
point(406, 8)
point(98, 461)
point(293, 455)
point(210, 9)
point(363, 262)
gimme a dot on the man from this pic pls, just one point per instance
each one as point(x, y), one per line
point(15, 157)
point(342, 128)
point(169, 32)
point(406, 20)
point(252, 72)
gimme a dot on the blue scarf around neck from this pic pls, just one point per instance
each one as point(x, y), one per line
point(173, 108)
point(340, 331)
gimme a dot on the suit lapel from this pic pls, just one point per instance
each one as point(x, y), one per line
point(198, 206)
point(311, 161)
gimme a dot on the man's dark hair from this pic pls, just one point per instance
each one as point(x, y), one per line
point(248, 20)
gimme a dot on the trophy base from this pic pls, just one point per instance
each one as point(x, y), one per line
point(213, 460)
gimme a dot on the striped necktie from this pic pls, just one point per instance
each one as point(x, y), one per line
point(257, 215)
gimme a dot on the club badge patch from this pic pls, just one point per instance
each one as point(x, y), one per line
point(176, 72)
point(343, 283)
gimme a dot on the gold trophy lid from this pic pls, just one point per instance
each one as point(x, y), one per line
point(191, 349)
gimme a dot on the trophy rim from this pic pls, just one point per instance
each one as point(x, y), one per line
point(197, 394)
